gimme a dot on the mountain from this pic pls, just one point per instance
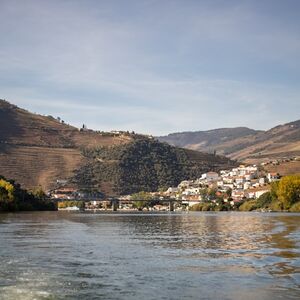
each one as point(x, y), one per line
point(208, 141)
point(39, 150)
point(144, 164)
point(242, 143)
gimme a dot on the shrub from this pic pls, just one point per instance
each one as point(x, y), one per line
point(295, 207)
point(248, 205)
point(264, 200)
point(289, 190)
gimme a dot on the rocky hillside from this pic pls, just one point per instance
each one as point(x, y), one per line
point(38, 150)
point(242, 143)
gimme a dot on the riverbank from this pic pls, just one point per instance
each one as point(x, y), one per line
point(246, 206)
point(14, 198)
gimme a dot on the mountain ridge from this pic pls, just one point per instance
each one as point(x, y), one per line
point(242, 143)
point(39, 150)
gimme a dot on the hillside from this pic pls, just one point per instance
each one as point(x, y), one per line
point(242, 143)
point(144, 164)
point(20, 127)
point(208, 141)
point(38, 150)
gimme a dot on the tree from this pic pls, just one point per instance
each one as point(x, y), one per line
point(248, 205)
point(212, 192)
point(204, 194)
point(274, 190)
point(13, 197)
point(39, 193)
point(6, 191)
point(229, 192)
point(7, 197)
point(289, 190)
point(264, 200)
point(141, 199)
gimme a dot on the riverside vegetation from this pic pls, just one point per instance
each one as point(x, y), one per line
point(14, 198)
point(283, 196)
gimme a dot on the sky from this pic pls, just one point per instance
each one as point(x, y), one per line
point(153, 66)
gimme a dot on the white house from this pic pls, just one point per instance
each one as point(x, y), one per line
point(237, 194)
point(228, 186)
point(220, 183)
point(247, 185)
point(210, 176)
point(240, 180)
point(273, 176)
point(171, 190)
point(261, 181)
point(261, 192)
point(184, 184)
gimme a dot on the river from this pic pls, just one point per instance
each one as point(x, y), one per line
point(225, 255)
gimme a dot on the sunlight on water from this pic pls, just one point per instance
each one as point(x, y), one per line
point(25, 286)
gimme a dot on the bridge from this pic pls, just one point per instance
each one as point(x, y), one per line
point(115, 202)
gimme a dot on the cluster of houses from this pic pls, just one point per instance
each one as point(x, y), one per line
point(64, 191)
point(237, 184)
point(232, 186)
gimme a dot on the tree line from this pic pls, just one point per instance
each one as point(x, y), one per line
point(14, 198)
point(284, 195)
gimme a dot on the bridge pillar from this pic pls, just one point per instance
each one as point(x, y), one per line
point(171, 206)
point(105, 205)
point(114, 205)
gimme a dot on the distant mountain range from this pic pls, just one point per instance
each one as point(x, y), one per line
point(242, 143)
point(39, 150)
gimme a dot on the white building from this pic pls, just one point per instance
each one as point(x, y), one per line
point(272, 177)
point(261, 181)
point(210, 176)
point(171, 190)
point(246, 185)
point(184, 184)
point(239, 180)
point(261, 192)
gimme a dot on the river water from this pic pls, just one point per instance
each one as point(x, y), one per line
point(60, 255)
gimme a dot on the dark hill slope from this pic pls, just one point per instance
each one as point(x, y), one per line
point(144, 164)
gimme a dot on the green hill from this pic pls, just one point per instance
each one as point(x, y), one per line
point(144, 164)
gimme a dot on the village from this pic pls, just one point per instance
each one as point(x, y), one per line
point(230, 187)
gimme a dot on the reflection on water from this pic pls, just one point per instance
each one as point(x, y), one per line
point(149, 256)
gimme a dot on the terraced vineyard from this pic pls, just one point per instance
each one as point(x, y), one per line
point(39, 165)
point(37, 150)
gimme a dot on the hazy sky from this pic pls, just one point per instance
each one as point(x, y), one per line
point(153, 66)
